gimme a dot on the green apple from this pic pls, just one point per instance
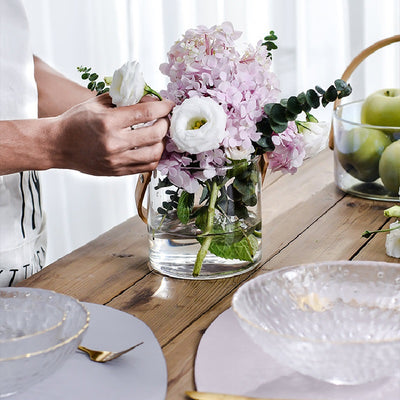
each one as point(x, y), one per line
point(382, 108)
point(389, 167)
point(359, 151)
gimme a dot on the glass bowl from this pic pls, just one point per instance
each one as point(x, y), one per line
point(31, 351)
point(23, 329)
point(334, 321)
point(358, 153)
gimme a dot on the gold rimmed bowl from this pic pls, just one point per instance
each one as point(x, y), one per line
point(39, 330)
point(334, 321)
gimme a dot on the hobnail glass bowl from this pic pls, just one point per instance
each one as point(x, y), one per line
point(42, 328)
point(334, 321)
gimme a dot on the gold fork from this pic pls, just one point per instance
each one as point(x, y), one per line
point(104, 355)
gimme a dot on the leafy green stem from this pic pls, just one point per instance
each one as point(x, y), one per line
point(210, 222)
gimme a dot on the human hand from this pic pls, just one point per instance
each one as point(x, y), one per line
point(96, 138)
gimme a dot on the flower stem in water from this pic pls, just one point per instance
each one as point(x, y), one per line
point(210, 222)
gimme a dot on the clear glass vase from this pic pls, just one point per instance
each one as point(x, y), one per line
point(213, 233)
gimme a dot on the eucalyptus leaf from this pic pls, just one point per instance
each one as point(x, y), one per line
point(278, 127)
point(340, 84)
point(312, 98)
point(301, 98)
point(284, 102)
point(93, 77)
point(290, 116)
point(278, 113)
point(294, 105)
point(331, 94)
point(266, 143)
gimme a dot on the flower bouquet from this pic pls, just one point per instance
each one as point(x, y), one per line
point(204, 214)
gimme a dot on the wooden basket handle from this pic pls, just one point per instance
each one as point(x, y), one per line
point(144, 180)
point(354, 64)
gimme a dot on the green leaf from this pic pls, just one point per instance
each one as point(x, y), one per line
point(340, 84)
point(91, 85)
point(324, 102)
point(162, 183)
point(278, 113)
point(93, 77)
point(204, 194)
point(284, 102)
point(271, 36)
point(264, 127)
point(268, 107)
point(250, 201)
point(85, 75)
point(301, 98)
point(331, 94)
point(294, 105)
point(347, 91)
point(201, 219)
point(265, 143)
point(278, 127)
point(100, 86)
point(244, 250)
point(242, 187)
point(290, 116)
point(185, 206)
point(312, 98)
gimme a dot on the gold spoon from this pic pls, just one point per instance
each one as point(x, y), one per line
point(103, 355)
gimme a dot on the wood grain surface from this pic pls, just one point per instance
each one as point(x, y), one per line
point(305, 219)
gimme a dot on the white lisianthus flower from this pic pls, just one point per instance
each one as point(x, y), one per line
point(239, 153)
point(128, 85)
point(393, 240)
point(315, 136)
point(198, 125)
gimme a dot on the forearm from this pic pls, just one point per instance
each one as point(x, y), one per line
point(27, 145)
point(93, 137)
point(57, 93)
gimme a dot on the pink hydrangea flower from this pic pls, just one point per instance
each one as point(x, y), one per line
point(205, 62)
point(289, 150)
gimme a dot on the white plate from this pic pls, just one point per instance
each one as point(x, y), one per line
point(227, 361)
point(138, 375)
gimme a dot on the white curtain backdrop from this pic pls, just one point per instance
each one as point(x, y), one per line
point(317, 39)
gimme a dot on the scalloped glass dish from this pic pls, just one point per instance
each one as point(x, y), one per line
point(33, 345)
point(334, 321)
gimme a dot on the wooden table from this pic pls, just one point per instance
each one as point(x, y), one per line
point(305, 218)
